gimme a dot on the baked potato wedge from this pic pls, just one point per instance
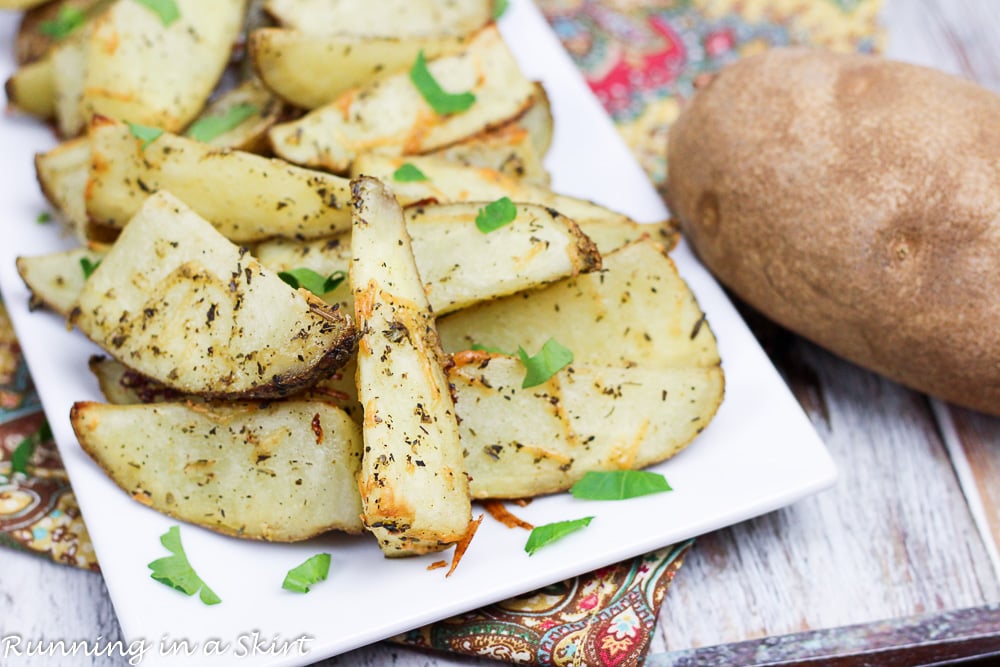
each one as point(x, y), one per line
point(638, 311)
point(538, 121)
point(146, 70)
point(385, 18)
point(32, 88)
point(391, 115)
point(245, 196)
point(56, 279)
point(248, 111)
point(174, 300)
point(414, 489)
point(508, 149)
point(583, 418)
point(62, 175)
point(309, 69)
point(282, 471)
point(69, 80)
point(43, 27)
point(20, 4)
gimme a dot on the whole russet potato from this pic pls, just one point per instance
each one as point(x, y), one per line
point(855, 201)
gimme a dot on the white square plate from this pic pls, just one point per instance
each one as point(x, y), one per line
point(759, 453)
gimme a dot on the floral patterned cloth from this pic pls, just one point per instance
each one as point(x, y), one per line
point(642, 59)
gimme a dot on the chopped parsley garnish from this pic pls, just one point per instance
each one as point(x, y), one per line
point(166, 9)
point(408, 173)
point(66, 21)
point(313, 571)
point(440, 100)
point(43, 217)
point(619, 485)
point(551, 359)
point(175, 570)
point(495, 215)
point(208, 128)
point(499, 7)
point(88, 266)
point(551, 532)
point(312, 281)
point(144, 133)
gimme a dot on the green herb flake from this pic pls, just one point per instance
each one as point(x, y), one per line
point(312, 281)
point(88, 266)
point(619, 485)
point(210, 127)
point(21, 455)
point(67, 20)
point(491, 350)
point(43, 218)
point(166, 9)
point(441, 101)
point(313, 571)
point(499, 7)
point(551, 532)
point(551, 359)
point(408, 173)
point(176, 572)
point(495, 215)
point(144, 133)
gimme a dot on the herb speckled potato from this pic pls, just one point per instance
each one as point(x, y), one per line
point(855, 201)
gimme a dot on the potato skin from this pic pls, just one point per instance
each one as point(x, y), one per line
point(855, 201)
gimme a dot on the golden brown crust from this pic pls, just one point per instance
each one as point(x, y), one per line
point(855, 201)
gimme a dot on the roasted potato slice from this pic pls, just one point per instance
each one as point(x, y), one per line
point(256, 109)
point(583, 418)
point(69, 76)
point(32, 88)
point(310, 70)
point(140, 69)
point(174, 300)
point(385, 18)
point(637, 311)
point(247, 197)
point(391, 115)
point(508, 149)
point(538, 121)
point(62, 175)
point(414, 489)
point(35, 35)
point(282, 471)
point(610, 235)
point(56, 279)
point(449, 181)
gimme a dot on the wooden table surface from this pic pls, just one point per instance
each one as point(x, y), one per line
point(904, 547)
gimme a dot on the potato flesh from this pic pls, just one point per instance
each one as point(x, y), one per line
point(413, 484)
point(382, 18)
point(62, 174)
point(251, 134)
point(177, 302)
point(310, 70)
point(56, 279)
point(509, 150)
point(281, 472)
point(143, 71)
point(245, 196)
point(391, 115)
point(32, 88)
point(638, 311)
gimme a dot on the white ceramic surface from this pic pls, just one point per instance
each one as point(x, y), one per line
point(759, 453)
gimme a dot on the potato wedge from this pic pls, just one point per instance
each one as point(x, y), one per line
point(414, 489)
point(385, 18)
point(34, 34)
point(448, 182)
point(69, 78)
point(141, 70)
point(256, 105)
point(391, 116)
point(32, 88)
point(309, 69)
point(637, 311)
point(20, 4)
point(174, 300)
point(508, 149)
point(538, 121)
point(524, 442)
point(62, 175)
point(610, 235)
point(56, 279)
point(245, 196)
point(280, 472)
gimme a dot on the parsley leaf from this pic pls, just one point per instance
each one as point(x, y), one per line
point(144, 133)
point(43, 217)
point(166, 9)
point(551, 359)
point(619, 485)
point(407, 173)
point(88, 266)
point(440, 100)
point(499, 7)
point(544, 535)
point(312, 281)
point(176, 572)
point(208, 128)
point(495, 215)
point(313, 571)
point(67, 20)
